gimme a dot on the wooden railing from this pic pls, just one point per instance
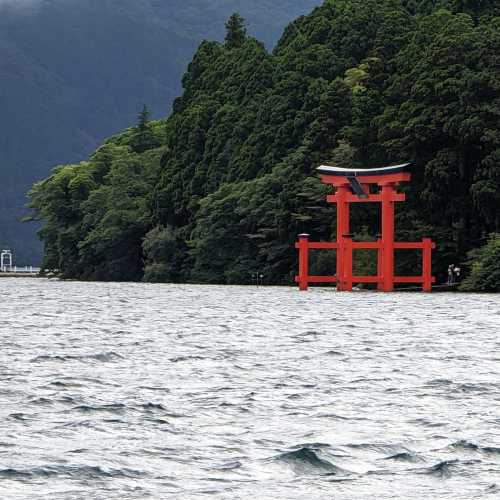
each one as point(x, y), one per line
point(347, 246)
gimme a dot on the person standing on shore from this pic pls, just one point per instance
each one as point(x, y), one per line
point(451, 274)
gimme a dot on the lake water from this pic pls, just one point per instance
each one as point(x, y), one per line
point(124, 391)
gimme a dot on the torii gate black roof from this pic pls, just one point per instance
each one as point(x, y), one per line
point(360, 172)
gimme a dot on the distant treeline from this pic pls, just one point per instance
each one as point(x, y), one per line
point(221, 188)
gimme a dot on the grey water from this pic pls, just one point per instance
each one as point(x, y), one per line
point(131, 391)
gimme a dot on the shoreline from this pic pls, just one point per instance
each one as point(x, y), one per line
point(436, 288)
point(21, 275)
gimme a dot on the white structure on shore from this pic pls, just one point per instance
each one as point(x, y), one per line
point(7, 267)
point(6, 261)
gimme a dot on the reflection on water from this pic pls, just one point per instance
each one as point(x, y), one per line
point(122, 391)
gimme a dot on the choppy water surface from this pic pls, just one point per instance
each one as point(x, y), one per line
point(162, 391)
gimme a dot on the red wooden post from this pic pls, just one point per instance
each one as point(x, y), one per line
point(427, 265)
point(347, 278)
point(388, 237)
point(303, 261)
point(342, 229)
point(380, 265)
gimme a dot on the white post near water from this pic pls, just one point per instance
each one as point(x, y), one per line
point(6, 260)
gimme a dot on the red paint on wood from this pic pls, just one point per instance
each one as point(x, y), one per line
point(388, 237)
point(303, 261)
point(369, 179)
point(352, 198)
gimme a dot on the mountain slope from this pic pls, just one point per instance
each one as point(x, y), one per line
point(73, 72)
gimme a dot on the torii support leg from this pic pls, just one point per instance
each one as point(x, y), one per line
point(388, 237)
point(347, 279)
point(427, 265)
point(380, 265)
point(343, 227)
point(303, 261)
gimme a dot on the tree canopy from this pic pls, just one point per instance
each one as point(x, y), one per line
point(485, 267)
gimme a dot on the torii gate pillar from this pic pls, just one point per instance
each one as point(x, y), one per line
point(388, 213)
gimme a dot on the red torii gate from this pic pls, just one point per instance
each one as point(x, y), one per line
point(352, 186)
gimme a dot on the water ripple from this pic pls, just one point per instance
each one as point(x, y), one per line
point(125, 391)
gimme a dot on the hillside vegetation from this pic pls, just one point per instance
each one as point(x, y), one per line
point(74, 72)
point(221, 188)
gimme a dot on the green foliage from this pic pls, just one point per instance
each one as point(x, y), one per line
point(143, 136)
point(165, 254)
point(235, 31)
point(220, 189)
point(485, 267)
point(96, 213)
point(364, 261)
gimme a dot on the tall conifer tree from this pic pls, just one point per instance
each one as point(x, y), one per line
point(143, 136)
point(235, 31)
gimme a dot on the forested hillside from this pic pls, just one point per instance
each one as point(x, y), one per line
point(73, 72)
point(221, 188)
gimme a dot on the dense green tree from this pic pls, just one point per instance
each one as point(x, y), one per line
point(165, 255)
point(235, 31)
point(143, 137)
point(485, 267)
point(444, 108)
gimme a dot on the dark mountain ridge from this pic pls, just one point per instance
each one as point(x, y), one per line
point(73, 72)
